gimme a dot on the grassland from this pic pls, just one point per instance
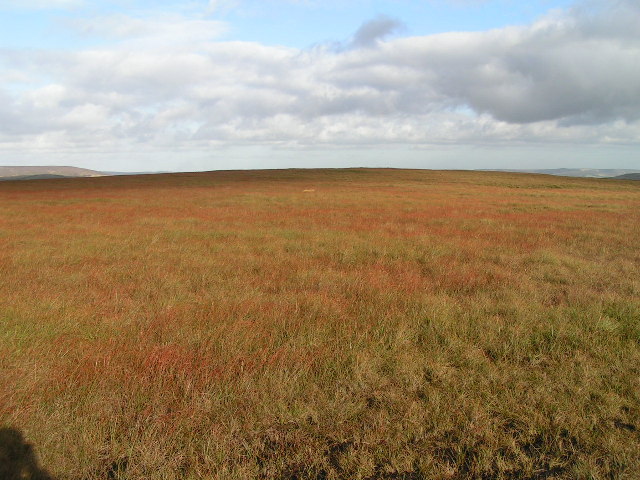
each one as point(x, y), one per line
point(382, 324)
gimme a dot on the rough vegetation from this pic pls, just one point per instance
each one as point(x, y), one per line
point(360, 324)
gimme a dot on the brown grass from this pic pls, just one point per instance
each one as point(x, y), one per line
point(391, 325)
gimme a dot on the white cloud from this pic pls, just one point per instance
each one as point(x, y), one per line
point(155, 32)
point(570, 78)
point(216, 6)
point(39, 4)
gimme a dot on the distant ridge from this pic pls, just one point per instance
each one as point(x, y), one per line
point(52, 172)
point(576, 172)
point(628, 176)
point(44, 176)
point(42, 172)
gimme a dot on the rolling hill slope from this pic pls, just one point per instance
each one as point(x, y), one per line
point(58, 171)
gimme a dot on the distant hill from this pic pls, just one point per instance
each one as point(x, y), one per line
point(628, 176)
point(45, 176)
point(578, 172)
point(146, 172)
point(37, 172)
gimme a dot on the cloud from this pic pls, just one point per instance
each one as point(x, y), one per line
point(221, 5)
point(375, 30)
point(571, 78)
point(157, 32)
point(39, 4)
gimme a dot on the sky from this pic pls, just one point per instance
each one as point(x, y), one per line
point(136, 85)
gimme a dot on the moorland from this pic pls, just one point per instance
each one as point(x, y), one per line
point(322, 324)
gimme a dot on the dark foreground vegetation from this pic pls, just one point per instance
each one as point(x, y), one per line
point(356, 324)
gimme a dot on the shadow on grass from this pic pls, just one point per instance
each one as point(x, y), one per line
point(17, 458)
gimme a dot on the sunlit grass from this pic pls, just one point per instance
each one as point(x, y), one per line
point(387, 323)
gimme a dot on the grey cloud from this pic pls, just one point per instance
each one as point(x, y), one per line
point(548, 71)
point(375, 30)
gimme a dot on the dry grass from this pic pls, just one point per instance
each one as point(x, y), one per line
point(362, 324)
